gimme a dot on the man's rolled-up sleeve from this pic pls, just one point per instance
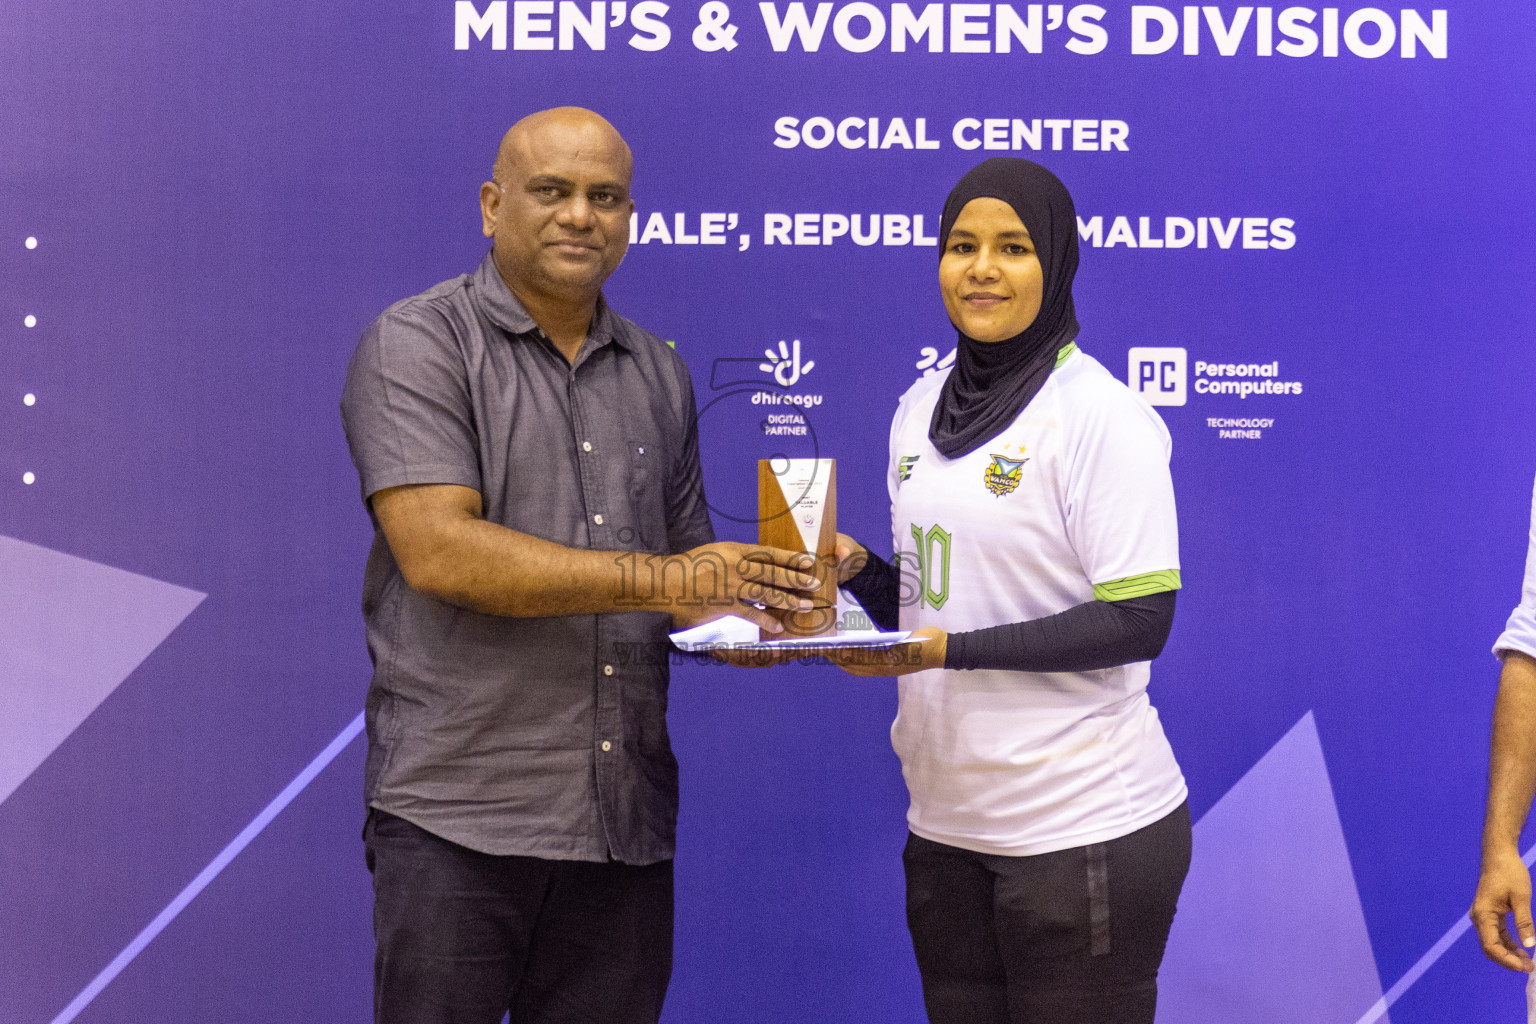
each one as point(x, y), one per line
point(688, 523)
point(1520, 632)
point(406, 406)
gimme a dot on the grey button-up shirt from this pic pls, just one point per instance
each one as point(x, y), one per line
point(543, 737)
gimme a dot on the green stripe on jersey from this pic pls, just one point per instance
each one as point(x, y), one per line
point(1063, 354)
point(1137, 586)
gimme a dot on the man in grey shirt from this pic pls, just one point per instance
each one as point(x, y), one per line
point(516, 438)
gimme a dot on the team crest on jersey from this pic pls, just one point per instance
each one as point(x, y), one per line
point(904, 467)
point(1003, 476)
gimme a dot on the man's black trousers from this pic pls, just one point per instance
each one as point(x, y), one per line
point(464, 937)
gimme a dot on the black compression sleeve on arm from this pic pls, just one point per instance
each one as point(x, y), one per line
point(877, 587)
point(1098, 634)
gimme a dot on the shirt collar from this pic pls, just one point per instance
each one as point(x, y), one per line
point(507, 313)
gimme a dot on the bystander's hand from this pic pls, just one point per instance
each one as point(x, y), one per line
point(759, 584)
point(1504, 888)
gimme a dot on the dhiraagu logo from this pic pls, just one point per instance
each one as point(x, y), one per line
point(784, 363)
point(930, 362)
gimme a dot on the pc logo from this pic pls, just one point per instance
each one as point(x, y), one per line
point(1158, 375)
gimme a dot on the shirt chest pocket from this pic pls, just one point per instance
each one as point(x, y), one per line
point(646, 475)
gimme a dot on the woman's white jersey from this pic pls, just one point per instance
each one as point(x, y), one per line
point(1069, 503)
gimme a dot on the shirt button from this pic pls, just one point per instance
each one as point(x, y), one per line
point(607, 670)
point(598, 519)
point(586, 446)
point(607, 746)
point(642, 449)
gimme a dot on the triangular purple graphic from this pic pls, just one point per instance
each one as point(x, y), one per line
point(71, 630)
point(1270, 929)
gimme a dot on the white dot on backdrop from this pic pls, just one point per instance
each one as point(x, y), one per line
point(28, 478)
point(30, 320)
point(31, 242)
point(29, 399)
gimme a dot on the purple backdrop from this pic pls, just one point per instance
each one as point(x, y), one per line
point(223, 195)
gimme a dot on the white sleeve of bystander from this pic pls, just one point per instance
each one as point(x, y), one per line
point(1520, 632)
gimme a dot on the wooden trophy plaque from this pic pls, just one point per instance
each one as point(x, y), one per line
point(797, 511)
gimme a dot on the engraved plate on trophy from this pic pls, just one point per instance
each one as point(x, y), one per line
point(797, 510)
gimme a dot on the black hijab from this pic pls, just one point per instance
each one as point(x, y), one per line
point(993, 381)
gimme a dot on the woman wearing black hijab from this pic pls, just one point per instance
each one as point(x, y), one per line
point(1037, 543)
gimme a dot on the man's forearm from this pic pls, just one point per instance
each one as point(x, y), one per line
point(492, 569)
point(1512, 764)
point(444, 548)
